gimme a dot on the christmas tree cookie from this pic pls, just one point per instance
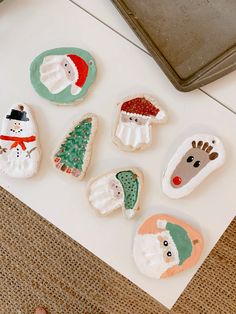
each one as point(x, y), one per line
point(117, 189)
point(135, 117)
point(164, 246)
point(19, 143)
point(63, 75)
point(197, 157)
point(74, 154)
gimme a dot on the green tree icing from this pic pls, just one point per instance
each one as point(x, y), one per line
point(72, 151)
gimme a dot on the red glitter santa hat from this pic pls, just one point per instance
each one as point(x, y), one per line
point(143, 106)
point(81, 68)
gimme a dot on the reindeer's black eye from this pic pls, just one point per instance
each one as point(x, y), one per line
point(165, 243)
point(169, 253)
point(190, 159)
point(197, 164)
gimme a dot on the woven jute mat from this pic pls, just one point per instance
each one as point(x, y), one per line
point(40, 265)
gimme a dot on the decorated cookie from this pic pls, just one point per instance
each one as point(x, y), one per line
point(19, 143)
point(164, 246)
point(117, 189)
point(195, 159)
point(133, 127)
point(63, 75)
point(74, 154)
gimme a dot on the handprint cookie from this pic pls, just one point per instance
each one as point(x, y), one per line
point(118, 189)
point(63, 75)
point(164, 246)
point(135, 117)
point(19, 143)
point(74, 153)
point(195, 159)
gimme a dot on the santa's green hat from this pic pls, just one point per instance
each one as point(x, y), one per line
point(130, 185)
point(182, 241)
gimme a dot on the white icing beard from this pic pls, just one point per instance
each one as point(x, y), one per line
point(131, 134)
point(102, 197)
point(53, 75)
point(149, 255)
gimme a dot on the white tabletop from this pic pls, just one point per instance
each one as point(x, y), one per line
point(30, 27)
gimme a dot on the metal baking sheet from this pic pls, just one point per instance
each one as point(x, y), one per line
point(194, 41)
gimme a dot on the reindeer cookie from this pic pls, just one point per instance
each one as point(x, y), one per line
point(195, 159)
point(73, 155)
point(19, 143)
point(120, 188)
point(164, 246)
point(133, 127)
point(63, 75)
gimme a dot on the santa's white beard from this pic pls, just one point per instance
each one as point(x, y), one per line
point(52, 74)
point(148, 256)
point(101, 196)
point(133, 135)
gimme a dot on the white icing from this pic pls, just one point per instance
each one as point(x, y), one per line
point(17, 162)
point(53, 74)
point(131, 134)
point(149, 254)
point(196, 180)
point(161, 223)
point(102, 197)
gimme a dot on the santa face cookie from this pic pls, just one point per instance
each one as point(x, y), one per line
point(164, 246)
point(63, 75)
point(74, 154)
point(19, 143)
point(116, 189)
point(133, 128)
point(196, 158)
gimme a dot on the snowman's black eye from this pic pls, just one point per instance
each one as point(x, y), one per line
point(136, 120)
point(130, 119)
point(169, 253)
point(165, 243)
point(65, 64)
point(197, 164)
point(190, 159)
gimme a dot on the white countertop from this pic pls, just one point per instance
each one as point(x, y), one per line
point(30, 27)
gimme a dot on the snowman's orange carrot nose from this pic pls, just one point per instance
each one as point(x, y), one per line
point(177, 180)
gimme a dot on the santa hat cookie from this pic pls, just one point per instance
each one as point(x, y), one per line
point(19, 143)
point(73, 155)
point(164, 246)
point(117, 189)
point(63, 75)
point(197, 157)
point(133, 127)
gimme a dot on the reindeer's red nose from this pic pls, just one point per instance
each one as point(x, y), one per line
point(177, 180)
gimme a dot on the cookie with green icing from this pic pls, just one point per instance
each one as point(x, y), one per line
point(74, 153)
point(165, 246)
point(63, 75)
point(118, 189)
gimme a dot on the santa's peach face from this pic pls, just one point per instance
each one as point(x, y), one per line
point(134, 119)
point(69, 70)
point(116, 189)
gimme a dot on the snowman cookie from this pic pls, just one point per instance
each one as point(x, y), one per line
point(73, 155)
point(19, 143)
point(63, 75)
point(195, 159)
point(164, 246)
point(133, 127)
point(120, 188)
